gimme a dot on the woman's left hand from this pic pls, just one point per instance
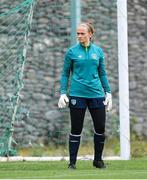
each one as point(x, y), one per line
point(108, 101)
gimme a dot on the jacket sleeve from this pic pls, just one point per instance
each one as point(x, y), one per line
point(66, 72)
point(102, 73)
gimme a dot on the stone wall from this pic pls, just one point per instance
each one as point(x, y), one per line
point(137, 27)
point(49, 40)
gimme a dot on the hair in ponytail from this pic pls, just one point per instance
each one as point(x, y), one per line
point(89, 27)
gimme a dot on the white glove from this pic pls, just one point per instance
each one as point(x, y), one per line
point(63, 100)
point(108, 101)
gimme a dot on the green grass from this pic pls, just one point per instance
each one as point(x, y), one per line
point(132, 169)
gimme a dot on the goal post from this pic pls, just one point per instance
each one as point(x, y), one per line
point(123, 79)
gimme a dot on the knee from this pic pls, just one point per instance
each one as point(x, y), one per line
point(100, 130)
point(76, 131)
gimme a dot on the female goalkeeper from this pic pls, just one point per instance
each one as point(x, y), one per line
point(89, 88)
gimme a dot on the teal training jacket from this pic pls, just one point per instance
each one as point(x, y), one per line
point(87, 69)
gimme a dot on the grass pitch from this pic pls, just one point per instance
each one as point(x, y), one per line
point(132, 169)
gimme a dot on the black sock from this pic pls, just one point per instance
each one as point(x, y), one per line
point(74, 142)
point(98, 146)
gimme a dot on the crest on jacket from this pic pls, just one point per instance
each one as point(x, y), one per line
point(94, 56)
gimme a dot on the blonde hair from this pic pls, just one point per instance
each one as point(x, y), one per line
point(89, 26)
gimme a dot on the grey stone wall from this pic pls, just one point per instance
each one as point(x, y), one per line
point(137, 28)
point(50, 36)
point(49, 39)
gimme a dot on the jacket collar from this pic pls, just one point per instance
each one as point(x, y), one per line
point(87, 46)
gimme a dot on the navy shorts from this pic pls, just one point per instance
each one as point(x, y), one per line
point(83, 103)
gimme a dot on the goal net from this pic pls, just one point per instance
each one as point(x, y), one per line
point(15, 20)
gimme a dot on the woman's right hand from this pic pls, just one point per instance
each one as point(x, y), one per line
point(63, 100)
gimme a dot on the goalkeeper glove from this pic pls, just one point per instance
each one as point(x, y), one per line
point(108, 101)
point(63, 100)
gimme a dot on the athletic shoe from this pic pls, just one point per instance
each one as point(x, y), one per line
point(99, 164)
point(72, 166)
